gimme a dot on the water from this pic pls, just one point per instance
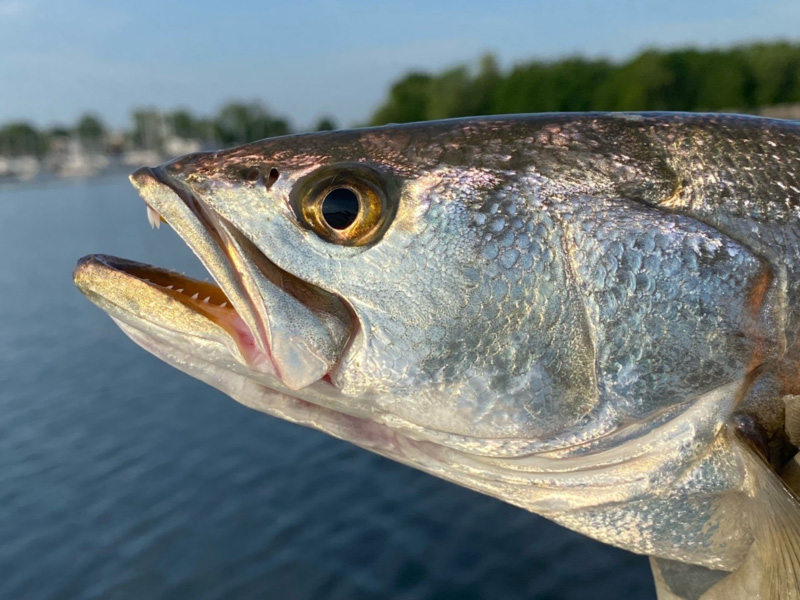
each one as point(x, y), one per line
point(121, 478)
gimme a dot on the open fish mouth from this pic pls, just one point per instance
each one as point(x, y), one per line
point(130, 290)
point(275, 324)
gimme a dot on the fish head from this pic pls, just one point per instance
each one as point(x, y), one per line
point(371, 272)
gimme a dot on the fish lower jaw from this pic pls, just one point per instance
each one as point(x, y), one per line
point(169, 300)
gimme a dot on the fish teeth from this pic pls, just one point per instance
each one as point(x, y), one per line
point(195, 296)
point(153, 218)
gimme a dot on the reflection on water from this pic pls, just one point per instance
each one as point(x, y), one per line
point(123, 478)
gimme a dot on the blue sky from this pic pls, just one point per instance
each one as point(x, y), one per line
point(59, 59)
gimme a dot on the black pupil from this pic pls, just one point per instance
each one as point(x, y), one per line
point(340, 208)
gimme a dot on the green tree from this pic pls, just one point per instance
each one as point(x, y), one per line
point(641, 84)
point(326, 124)
point(408, 101)
point(22, 139)
point(525, 89)
point(569, 84)
point(485, 86)
point(240, 122)
point(449, 95)
point(775, 71)
point(183, 124)
point(724, 81)
point(91, 132)
point(59, 131)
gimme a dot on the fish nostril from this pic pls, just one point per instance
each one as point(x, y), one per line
point(251, 173)
point(254, 174)
point(272, 178)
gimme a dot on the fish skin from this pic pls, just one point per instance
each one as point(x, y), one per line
point(565, 311)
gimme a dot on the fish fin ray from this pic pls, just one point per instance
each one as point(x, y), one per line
point(776, 529)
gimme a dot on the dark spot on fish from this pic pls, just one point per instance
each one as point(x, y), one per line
point(340, 208)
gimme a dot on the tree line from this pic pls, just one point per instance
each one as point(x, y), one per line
point(235, 123)
point(742, 78)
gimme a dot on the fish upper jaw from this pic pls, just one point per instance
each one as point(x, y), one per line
point(253, 313)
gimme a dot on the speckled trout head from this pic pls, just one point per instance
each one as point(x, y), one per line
point(531, 307)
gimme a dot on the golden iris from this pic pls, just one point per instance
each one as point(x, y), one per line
point(345, 209)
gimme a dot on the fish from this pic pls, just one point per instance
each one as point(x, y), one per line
point(591, 316)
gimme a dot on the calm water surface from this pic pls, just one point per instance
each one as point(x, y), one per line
point(121, 478)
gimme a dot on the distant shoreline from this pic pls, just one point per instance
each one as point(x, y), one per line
point(72, 162)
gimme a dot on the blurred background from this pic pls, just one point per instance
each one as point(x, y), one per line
point(122, 478)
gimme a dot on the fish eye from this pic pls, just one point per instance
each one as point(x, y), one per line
point(344, 208)
point(340, 208)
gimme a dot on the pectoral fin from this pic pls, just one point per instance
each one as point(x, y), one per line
point(771, 570)
point(776, 524)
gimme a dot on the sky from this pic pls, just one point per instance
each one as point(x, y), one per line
point(306, 59)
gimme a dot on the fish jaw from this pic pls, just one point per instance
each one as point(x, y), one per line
point(172, 308)
point(264, 327)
